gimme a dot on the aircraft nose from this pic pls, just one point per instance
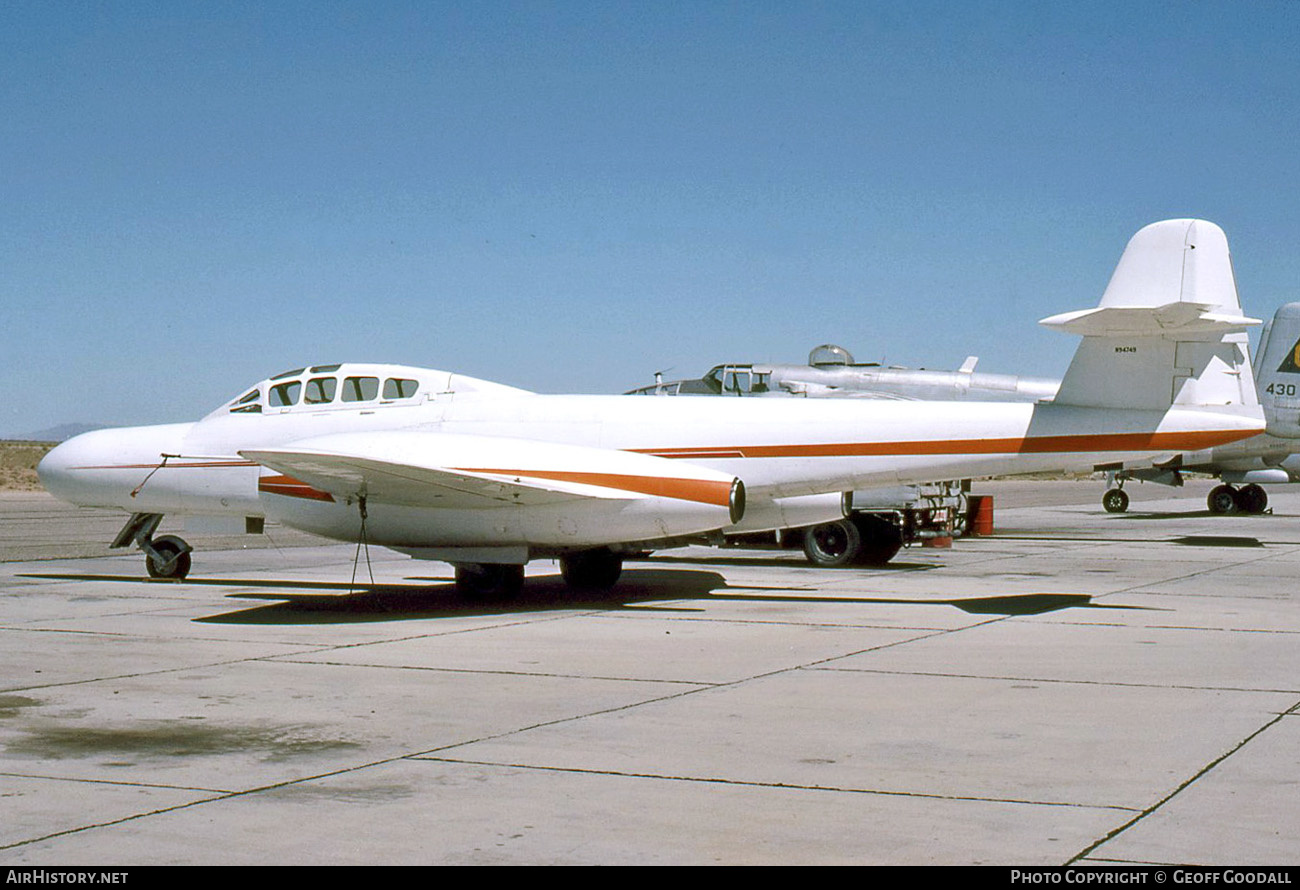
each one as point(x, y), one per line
point(102, 468)
point(55, 469)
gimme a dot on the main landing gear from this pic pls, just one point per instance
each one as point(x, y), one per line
point(860, 539)
point(583, 570)
point(164, 557)
point(489, 581)
point(1221, 499)
point(1247, 499)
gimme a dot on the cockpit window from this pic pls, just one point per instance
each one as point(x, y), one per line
point(398, 388)
point(360, 389)
point(320, 390)
point(248, 404)
point(738, 379)
point(283, 374)
point(285, 394)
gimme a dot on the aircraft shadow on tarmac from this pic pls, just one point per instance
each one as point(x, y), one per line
point(330, 602)
point(1182, 514)
point(778, 563)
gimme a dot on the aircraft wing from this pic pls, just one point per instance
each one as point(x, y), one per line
point(443, 470)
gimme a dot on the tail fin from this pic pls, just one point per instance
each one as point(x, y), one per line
point(1169, 329)
point(1277, 368)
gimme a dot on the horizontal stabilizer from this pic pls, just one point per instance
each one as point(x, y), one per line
point(1142, 321)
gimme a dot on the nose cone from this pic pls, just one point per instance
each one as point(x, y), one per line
point(102, 468)
point(53, 470)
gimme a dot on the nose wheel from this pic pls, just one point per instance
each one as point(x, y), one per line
point(169, 557)
point(1115, 501)
point(164, 557)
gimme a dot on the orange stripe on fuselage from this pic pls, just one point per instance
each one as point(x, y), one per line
point(1150, 441)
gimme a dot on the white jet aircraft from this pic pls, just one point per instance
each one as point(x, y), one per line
point(487, 477)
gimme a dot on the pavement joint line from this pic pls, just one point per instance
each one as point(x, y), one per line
point(1061, 680)
point(161, 786)
point(1187, 783)
point(1207, 570)
point(845, 625)
point(111, 822)
point(495, 672)
point(784, 786)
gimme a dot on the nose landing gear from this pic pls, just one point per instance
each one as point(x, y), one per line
point(164, 557)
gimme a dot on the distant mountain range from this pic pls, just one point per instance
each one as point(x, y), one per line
point(58, 433)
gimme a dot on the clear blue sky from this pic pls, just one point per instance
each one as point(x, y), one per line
point(568, 196)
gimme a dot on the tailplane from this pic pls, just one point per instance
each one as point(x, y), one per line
point(1169, 330)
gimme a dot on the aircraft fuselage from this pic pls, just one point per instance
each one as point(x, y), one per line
point(779, 449)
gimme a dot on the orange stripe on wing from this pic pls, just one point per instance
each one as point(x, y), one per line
point(699, 490)
point(292, 488)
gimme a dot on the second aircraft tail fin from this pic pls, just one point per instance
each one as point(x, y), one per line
point(1277, 370)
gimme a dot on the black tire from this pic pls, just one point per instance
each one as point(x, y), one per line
point(1115, 501)
point(832, 544)
point(170, 558)
point(597, 569)
point(1252, 499)
point(1222, 499)
point(880, 538)
point(489, 581)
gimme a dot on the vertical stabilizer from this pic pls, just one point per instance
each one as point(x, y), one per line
point(1277, 370)
point(1169, 329)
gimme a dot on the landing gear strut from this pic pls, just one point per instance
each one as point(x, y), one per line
point(165, 557)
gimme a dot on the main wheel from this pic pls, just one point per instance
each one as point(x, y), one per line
point(1222, 499)
point(597, 569)
point(1115, 501)
point(880, 538)
point(1252, 499)
point(170, 558)
point(488, 581)
point(832, 544)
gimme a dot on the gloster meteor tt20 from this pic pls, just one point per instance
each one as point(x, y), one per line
point(488, 477)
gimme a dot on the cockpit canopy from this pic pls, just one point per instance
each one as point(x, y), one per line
point(354, 385)
point(829, 355)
